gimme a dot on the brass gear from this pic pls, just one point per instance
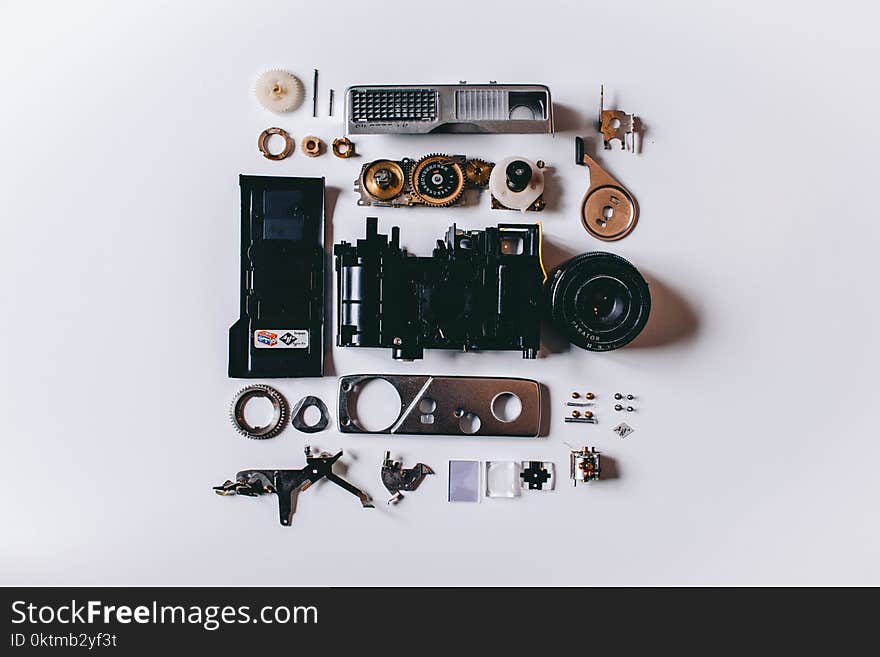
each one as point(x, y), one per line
point(477, 172)
point(446, 184)
point(389, 182)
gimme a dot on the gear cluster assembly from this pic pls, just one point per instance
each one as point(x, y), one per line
point(435, 180)
point(438, 180)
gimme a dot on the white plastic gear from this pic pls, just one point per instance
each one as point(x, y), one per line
point(279, 91)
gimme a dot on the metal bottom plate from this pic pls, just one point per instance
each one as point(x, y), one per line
point(449, 405)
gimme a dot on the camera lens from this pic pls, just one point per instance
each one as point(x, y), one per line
point(518, 174)
point(599, 301)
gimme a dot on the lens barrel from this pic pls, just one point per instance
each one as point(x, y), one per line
point(598, 300)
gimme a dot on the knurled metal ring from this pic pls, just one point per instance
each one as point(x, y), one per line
point(280, 412)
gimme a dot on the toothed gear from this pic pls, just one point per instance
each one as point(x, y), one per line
point(477, 172)
point(437, 180)
point(279, 91)
point(280, 408)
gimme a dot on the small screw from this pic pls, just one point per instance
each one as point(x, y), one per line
point(617, 395)
point(630, 409)
point(575, 395)
point(458, 412)
point(618, 407)
point(630, 397)
point(588, 413)
point(590, 395)
point(575, 413)
point(397, 342)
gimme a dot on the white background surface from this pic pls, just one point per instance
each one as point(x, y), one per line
point(123, 128)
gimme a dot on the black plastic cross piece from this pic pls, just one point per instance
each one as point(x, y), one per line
point(535, 475)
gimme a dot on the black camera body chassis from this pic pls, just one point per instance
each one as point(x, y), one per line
point(479, 290)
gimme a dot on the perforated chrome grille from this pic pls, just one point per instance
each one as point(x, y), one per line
point(481, 105)
point(393, 105)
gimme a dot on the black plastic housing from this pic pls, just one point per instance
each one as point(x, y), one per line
point(279, 332)
point(479, 290)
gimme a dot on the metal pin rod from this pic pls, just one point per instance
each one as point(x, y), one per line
point(315, 94)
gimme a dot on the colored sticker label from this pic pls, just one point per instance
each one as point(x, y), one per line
point(281, 339)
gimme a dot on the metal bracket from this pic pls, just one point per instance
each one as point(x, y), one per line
point(288, 484)
point(396, 478)
point(617, 124)
point(609, 211)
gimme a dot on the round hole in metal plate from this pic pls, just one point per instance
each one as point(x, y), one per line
point(469, 423)
point(377, 404)
point(506, 407)
point(427, 405)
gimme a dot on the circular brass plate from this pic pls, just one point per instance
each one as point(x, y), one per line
point(392, 172)
point(263, 143)
point(453, 194)
point(609, 213)
point(343, 147)
point(312, 146)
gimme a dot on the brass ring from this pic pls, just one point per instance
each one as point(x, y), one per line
point(343, 147)
point(312, 146)
point(263, 143)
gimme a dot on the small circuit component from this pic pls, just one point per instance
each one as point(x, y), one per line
point(585, 465)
